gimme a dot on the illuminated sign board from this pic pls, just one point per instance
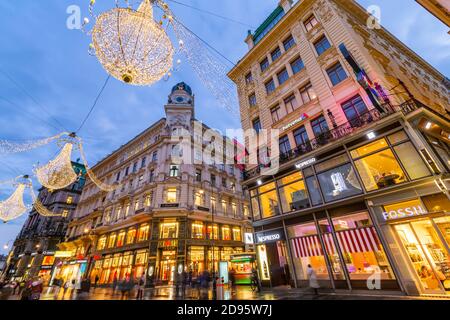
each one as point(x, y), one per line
point(63, 254)
point(305, 163)
point(407, 209)
point(248, 238)
point(270, 236)
point(293, 123)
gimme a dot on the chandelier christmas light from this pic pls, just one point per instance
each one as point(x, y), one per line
point(58, 173)
point(136, 49)
point(131, 46)
point(13, 207)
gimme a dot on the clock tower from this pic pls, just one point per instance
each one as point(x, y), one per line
point(180, 107)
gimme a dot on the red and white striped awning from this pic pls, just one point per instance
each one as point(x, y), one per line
point(359, 240)
point(350, 241)
point(307, 247)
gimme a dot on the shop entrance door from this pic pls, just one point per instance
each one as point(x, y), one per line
point(428, 254)
point(277, 256)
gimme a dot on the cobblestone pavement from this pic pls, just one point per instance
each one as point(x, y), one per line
point(239, 293)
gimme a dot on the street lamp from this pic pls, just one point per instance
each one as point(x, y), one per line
point(6, 245)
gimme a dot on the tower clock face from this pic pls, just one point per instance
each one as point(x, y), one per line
point(180, 99)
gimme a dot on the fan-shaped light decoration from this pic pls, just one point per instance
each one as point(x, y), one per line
point(131, 46)
point(13, 207)
point(58, 173)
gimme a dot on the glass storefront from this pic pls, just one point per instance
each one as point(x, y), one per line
point(422, 229)
point(323, 240)
point(385, 162)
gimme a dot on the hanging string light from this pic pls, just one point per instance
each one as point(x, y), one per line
point(131, 45)
point(7, 146)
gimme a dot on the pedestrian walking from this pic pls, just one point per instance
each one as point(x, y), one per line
point(232, 278)
point(141, 287)
point(313, 283)
point(97, 279)
point(115, 283)
point(85, 288)
point(37, 287)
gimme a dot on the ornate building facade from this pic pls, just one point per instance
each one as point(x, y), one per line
point(173, 210)
point(361, 191)
point(34, 249)
point(439, 8)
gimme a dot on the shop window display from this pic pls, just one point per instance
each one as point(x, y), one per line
point(330, 246)
point(293, 194)
point(112, 240)
point(101, 244)
point(314, 190)
point(427, 253)
point(226, 233)
point(212, 232)
point(131, 236)
point(196, 260)
point(197, 230)
point(269, 201)
point(307, 251)
point(237, 234)
point(255, 208)
point(121, 238)
point(143, 232)
point(339, 183)
point(361, 247)
point(169, 230)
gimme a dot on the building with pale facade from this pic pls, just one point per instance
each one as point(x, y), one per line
point(34, 249)
point(439, 8)
point(361, 191)
point(168, 215)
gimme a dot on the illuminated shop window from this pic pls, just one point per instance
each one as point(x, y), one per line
point(226, 233)
point(196, 259)
point(340, 182)
point(361, 247)
point(237, 234)
point(213, 204)
point(307, 250)
point(197, 230)
point(112, 240)
point(212, 232)
point(269, 201)
point(171, 195)
point(69, 200)
point(293, 193)
point(143, 232)
point(65, 213)
point(224, 206)
point(168, 230)
point(131, 236)
point(379, 168)
point(121, 238)
point(101, 244)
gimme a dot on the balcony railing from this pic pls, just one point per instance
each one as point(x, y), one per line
point(337, 133)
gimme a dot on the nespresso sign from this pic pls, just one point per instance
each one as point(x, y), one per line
point(270, 236)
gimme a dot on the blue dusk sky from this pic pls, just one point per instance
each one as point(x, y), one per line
point(51, 64)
